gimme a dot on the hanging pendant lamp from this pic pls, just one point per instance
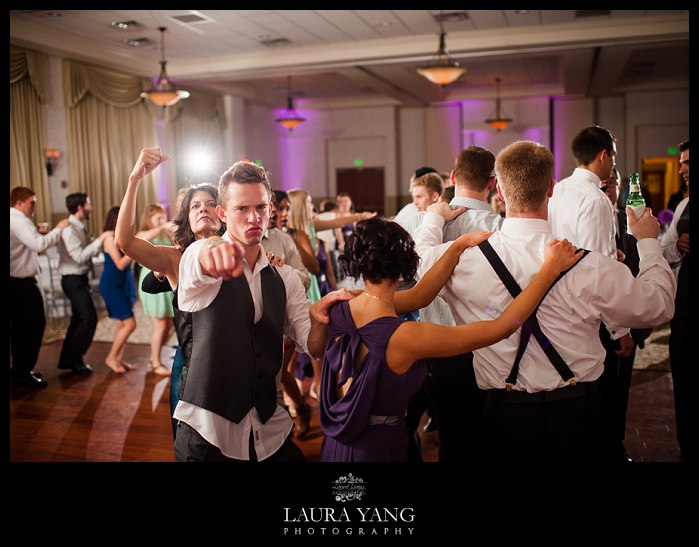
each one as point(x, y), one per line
point(443, 70)
point(498, 122)
point(164, 93)
point(290, 118)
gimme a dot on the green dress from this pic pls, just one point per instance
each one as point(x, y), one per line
point(155, 305)
point(313, 292)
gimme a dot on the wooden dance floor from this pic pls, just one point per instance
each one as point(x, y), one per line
point(107, 417)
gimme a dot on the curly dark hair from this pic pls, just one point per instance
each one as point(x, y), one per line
point(379, 249)
point(184, 236)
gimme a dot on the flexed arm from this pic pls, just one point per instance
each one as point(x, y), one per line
point(152, 257)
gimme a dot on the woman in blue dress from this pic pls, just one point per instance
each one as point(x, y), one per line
point(374, 360)
point(118, 291)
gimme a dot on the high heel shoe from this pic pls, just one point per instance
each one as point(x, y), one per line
point(160, 370)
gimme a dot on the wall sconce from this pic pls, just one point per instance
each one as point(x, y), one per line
point(52, 156)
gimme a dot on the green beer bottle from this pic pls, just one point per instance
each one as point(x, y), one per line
point(635, 199)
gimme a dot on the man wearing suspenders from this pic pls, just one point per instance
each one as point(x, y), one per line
point(543, 403)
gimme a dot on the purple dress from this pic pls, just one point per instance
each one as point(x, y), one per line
point(366, 425)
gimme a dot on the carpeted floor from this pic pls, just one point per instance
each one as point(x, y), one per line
point(56, 329)
point(653, 357)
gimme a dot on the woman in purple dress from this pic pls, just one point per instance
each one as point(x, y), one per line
point(374, 361)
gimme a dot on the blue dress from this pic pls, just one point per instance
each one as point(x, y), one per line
point(118, 289)
point(376, 394)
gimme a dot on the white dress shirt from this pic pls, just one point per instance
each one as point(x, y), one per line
point(26, 243)
point(195, 292)
point(580, 212)
point(478, 216)
point(75, 251)
point(597, 289)
point(406, 212)
point(670, 250)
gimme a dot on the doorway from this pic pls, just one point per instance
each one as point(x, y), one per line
point(365, 185)
point(659, 180)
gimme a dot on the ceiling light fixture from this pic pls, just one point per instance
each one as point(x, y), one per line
point(498, 122)
point(444, 69)
point(290, 118)
point(163, 92)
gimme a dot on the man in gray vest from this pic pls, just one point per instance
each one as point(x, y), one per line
point(241, 308)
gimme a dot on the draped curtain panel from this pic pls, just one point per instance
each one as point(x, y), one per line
point(108, 125)
point(27, 96)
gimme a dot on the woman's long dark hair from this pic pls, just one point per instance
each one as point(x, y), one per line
point(379, 249)
point(111, 219)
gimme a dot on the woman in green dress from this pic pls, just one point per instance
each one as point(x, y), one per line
point(154, 228)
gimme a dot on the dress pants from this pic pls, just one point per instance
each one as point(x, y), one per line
point(548, 431)
point(83, 322)
point(458, 406)
point(615, 384)
point(27, 323)
point(190, 446)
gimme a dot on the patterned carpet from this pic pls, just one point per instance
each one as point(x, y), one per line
point(56, 329)
point(653, 357)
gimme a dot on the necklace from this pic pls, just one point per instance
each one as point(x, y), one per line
point(378, 297)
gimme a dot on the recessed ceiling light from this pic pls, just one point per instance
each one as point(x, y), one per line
point(125, 24)
point(135, 42)
point(383, 24)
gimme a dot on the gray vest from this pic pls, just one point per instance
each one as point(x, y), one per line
point(234, 361)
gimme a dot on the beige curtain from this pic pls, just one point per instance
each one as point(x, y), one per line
point(196, 128)
point(108, 125)
point(27, 95)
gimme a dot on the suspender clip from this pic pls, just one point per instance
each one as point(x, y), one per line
point(573, 381)
point(508, 386)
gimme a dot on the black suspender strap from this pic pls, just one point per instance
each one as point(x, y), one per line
point(531, 325)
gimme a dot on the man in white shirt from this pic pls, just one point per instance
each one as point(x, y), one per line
point(410, 208)
point(75, 252)
point(451, 383)
point(543, 415)
point(27, 318)
point(241, 307)
point(579, 212)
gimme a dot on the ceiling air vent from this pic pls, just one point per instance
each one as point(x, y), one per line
point(582, 13)
point(452, 17)
point(275, 42)
point(191, 19)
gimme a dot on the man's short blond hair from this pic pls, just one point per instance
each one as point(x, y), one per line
point(431, 181)
point(524, 171)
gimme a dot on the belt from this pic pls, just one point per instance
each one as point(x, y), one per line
point(387, 420)
point(580, 389)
